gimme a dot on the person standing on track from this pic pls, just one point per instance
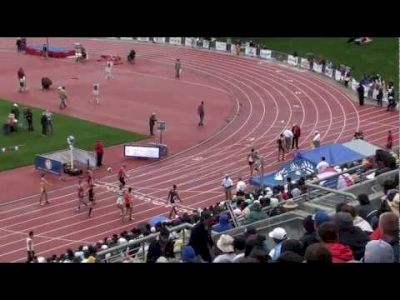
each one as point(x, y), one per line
point(95, 94)
point(281, 147)
point(128, 204)
point(131, 56)
point(227, 184)
point(62, 95)
point(21, 80)
point(178, 69)
point(251, 160)
point(296, 135)
point(81, 195)
point(43, 190)
point(89, 177)
point(288, 139)
point(316, 139)
point(389, 142)
point(122, 174)
point(200, 112)
point(109, 67)
point(172, 197)
point(91, 199)
point(29, 247)
point(99, 149)
point(152, 122)
point(120, 200)
point(360, 91)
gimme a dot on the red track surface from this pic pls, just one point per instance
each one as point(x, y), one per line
point(264, 99)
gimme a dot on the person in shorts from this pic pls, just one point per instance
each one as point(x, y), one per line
point(128, 204)
point(172, 197)
point(120, 199)
point(122, 175)
point(81, 195)
point(29, 247)
point(91, 199)
point(251, 160)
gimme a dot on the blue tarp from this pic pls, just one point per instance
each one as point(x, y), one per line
point(335, 154)
point(306, 161)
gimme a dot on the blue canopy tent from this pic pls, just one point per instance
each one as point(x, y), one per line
point(306, 161)
point(335, 154)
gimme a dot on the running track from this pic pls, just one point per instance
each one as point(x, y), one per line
point(266, 98)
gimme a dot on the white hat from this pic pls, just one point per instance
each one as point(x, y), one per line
point(121, 240)
point(278, 233)
point(162, 259)
point(15, 105)
point(85, 248)
point(237, 211)
point(41, 259)
point(152, 229)
point(225, 243)
point(104, 247)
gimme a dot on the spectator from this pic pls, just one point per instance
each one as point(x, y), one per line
point(239, 246)
point(278, 235)
point(366, 210)
point(240, 187)
point(290, 257)
point(322, 165)
point(189, 255)
point(15, 111)
point(319, 218)
point(310, 236)
point(225, 245)
point(164, 246)
point(378, 251)
point(292, 245)
point(200, 238)
point(276, 209)
point(289, 205)
point(394, 204)
point(357, 220)
point(317, 253)
point(256, 213)
point(328, 233)
point(351, 235)
point(389, 227)
point(223, 224)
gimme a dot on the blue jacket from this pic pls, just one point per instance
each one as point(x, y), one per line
point(223, 224)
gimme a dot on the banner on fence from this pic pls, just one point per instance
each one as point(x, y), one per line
point(317, 67)
point(206, 44)
point(189, 42)
point(48, 165)
point(143, 39)
point(266, 54)
point(175, 41)
point(220, 46)
point(338, 75)
point(126, 38)
point(160, 40)
point(250, 51)
point(329, 71)
point(304, 63)
point(292, 60)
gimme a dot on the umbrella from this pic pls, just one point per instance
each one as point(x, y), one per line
point(158, 219)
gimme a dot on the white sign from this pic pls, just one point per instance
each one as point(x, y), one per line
point(304, 63)
point(160, 40)
point(189, 42)
point(366, 91)
point(250, 51)
point(354, 84)
point(233, 48)
point(143, 39)
point(292, 60)
point(126, 38)
point(317, 68)
point(142, 151)
point(328, 72)
point(206, 44)
point(266, 54)
point(338, 75)
point(175, 41)
point(220, 46)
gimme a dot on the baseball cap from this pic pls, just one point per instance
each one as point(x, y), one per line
point(320, 217)
point(278, 233)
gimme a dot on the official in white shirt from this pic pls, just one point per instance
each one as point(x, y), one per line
point(322, 165)
point(227, 184)
point(240, 187)
point(316, 139)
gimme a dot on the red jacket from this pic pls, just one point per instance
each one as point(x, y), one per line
point(376, 234)
point(99, 148)
point(296, 131)
point(340, 253)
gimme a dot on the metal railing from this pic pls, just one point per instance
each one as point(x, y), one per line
point(137, 247)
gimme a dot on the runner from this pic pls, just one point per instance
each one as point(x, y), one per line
point(281, 147)
point(29, 247)
point(128, 204)
point(91, 199)
point(81, 195)
point(200, 112)
point(122, 175)
point(250, 160)
point(120, 199)
point(89, 177)
point(109, 70)
point(178, 68)
point(21, 80)
point(389, 141)
point(172, 196)
point(95, 94)
point(43, 190)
